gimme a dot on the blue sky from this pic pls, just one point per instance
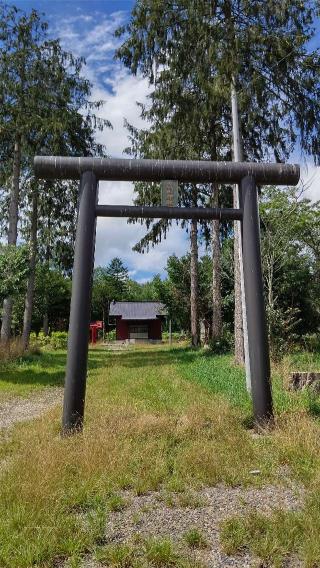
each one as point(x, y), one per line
point(86, 28)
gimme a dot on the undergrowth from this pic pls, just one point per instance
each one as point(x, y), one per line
point(147, 428)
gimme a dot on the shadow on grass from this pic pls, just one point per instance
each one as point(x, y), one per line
point(313, 402)
point(149, 358)
point(44, 369)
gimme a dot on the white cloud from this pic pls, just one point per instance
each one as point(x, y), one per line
point(90, 36)
point(310, 180)
point(120, 103)
point(120, 91)
point(115, 237)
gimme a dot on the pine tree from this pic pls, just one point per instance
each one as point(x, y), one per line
point(44, 97)
point(198, 49)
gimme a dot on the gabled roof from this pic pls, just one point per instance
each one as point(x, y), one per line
point(137, 310)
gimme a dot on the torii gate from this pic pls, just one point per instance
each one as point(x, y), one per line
point(90, 171)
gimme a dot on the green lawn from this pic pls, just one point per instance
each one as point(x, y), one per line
point(156, 419)
point(38, 371)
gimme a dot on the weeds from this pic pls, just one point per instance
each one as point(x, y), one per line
point(147, 428)
point(116, 503)
point(13, 350)
point(152, 552)
point(195, 538)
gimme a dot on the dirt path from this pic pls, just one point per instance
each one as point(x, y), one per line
point(149, 515)
point(22, 409)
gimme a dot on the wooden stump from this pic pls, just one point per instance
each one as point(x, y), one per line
point(302, 380)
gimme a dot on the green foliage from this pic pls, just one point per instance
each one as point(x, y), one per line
point(14, 269)
point(311, 342)
point(56, 340)
point(224, 344)
point(39, 77)
point(191, 54)
point(52, 297)
point(111, 335)
point(290, 266)
point(140, 292)
point(46, 108)
point(195, 538)
point(110, 283)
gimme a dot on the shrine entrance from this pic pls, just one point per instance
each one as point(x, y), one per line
point(90, 171)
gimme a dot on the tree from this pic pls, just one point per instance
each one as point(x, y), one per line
point(19, 54)
point(44, 98)
point(174, 291)
point(192, 53)
point(51, 296)
point(109, 283)
point(13, 269)
point(289, 265)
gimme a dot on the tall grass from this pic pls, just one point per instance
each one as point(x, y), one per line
point(147, 428)
point(11, 350)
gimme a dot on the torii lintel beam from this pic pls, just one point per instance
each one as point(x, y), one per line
point(118, 169)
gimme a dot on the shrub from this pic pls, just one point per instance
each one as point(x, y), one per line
point(111, 335)
point(224, 344)
point(56, 340)
point(11, 350)
point(311, 342)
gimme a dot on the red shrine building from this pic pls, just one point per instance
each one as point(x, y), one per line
point(138, 321)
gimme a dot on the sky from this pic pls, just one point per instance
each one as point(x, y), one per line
point(86, 27)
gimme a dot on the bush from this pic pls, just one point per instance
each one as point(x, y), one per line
point(56, 340)
point(311, 342)
point(13, 350)
point(223, 345)
point(111, 335)
point(176, 336)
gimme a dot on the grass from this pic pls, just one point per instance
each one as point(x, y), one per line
point(35, 371)
point(195, 538)
point(146, 553)
point(161, 419)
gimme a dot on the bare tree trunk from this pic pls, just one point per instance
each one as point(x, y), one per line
point(238, 318)
point(45, 324)
point(216, 270)
point(194, 284)
point(32, 274)
point(12, 233)
point(48, 255)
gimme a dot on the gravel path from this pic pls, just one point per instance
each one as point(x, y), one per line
point(149, 516)
point(21, 409)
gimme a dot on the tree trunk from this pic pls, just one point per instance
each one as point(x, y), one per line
point(12, 233)
point(48, 256)
point(194, 284)
point(32, 274)
point(46, 324)
point(238, 318)
point(216, 271)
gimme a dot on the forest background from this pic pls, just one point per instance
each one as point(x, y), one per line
point(50, 106)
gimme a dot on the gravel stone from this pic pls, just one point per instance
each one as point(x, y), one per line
point(148, 515)
point(22, 409)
